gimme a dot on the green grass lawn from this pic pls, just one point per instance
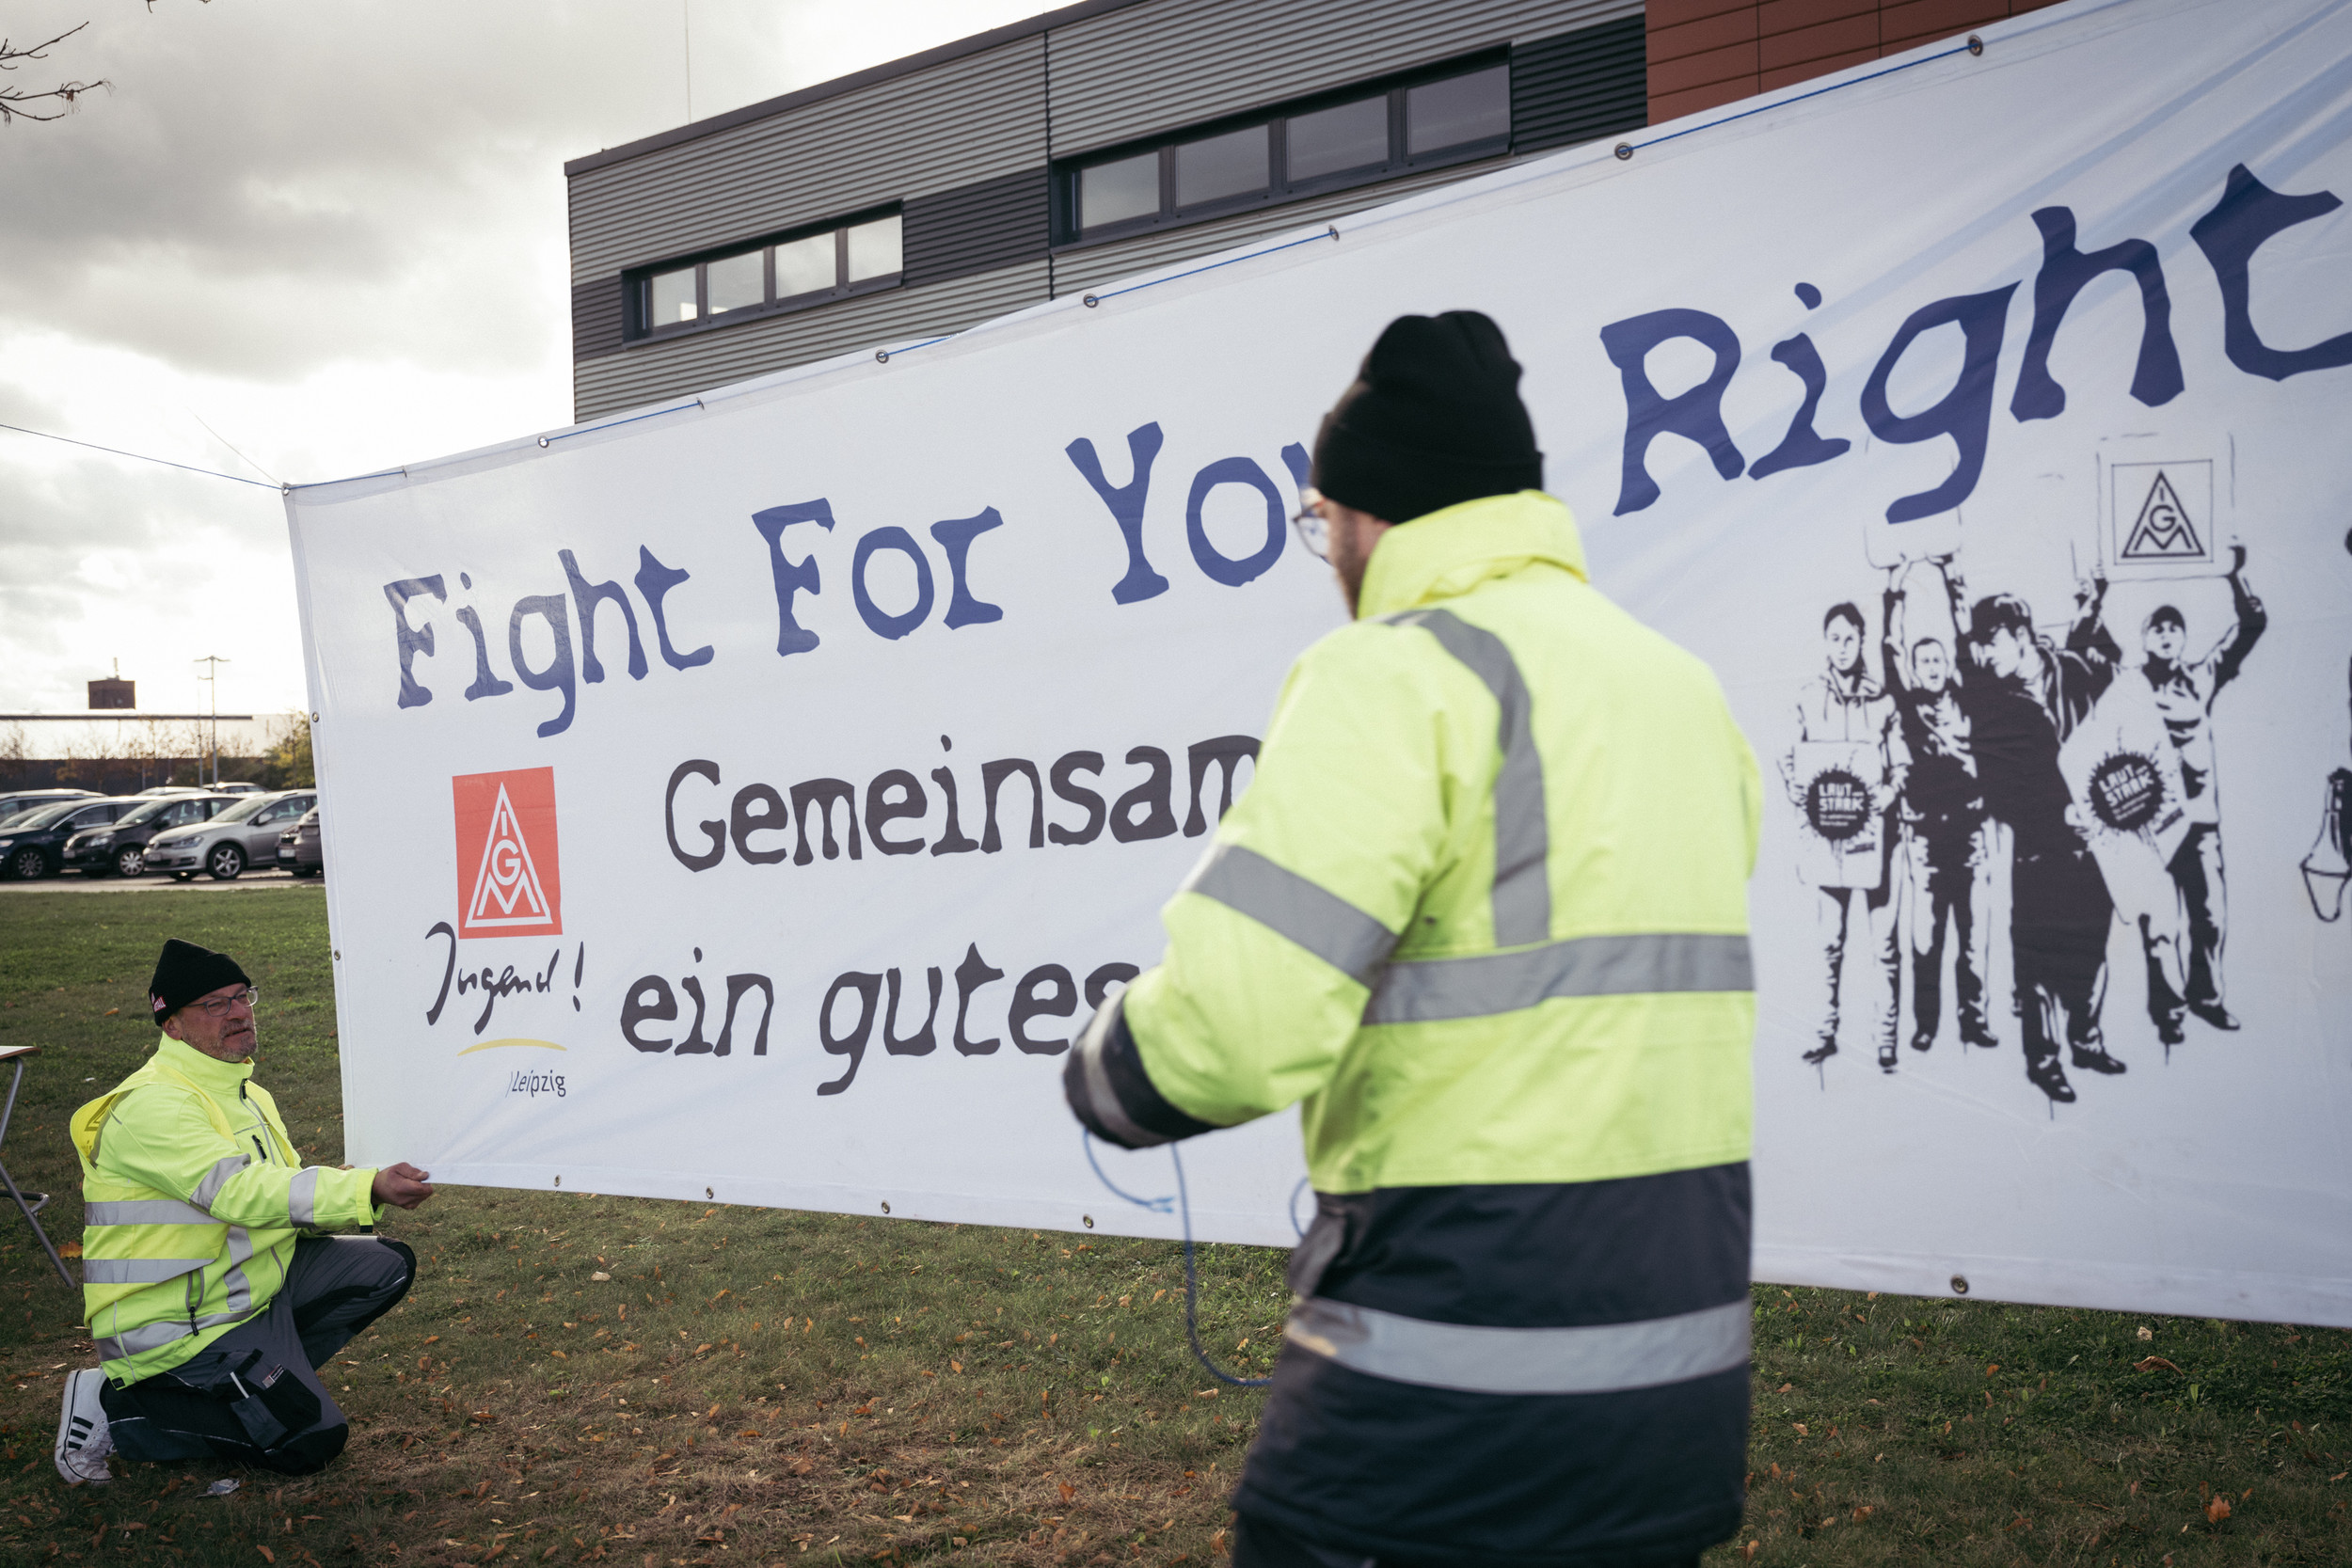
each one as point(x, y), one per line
point(754, 1385)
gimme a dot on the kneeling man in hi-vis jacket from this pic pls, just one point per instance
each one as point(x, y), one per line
point(212, 1292)
point(1483, 914)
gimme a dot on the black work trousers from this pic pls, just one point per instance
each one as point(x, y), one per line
point(1259, 1544)
point(253, 1396)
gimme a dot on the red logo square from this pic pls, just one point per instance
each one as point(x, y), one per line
point(509, 881)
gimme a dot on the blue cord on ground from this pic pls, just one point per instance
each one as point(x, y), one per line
point(1182, 1203)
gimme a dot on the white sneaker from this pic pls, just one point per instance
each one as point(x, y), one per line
point(82, 1438)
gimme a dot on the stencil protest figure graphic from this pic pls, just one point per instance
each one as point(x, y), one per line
point(2183, 692)
point(2024, 697)
point(1843, 777)
point(1945, 849)
point(2328, 867)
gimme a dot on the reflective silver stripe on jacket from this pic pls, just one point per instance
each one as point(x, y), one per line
point(218, 1177)
point(145, 1211)
point(240, 1291)
point(302, 1198)
point(1522, 895)
point(1423, 990)
point(138, 1271)
point(1475, 1358)
point(1101, 1097)
point(1282, 900)
point(154, 1336)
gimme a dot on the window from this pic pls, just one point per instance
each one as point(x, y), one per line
point(786, 274)
point(1352, 138)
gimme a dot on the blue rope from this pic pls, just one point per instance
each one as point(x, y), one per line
point(1182, 1203)
point(1329, 234)
point(590, 430)
point(1631, 147)
point(139, 456)
point(1157, 1205)
point(1192, 1291)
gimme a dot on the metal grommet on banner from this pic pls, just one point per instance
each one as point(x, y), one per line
point(542, 440)
point(1090, 302)
point(1976, 44)
point(881, 356)
point(1089, 1220)
point(885, 1206)
point(1625, 151)
point(1333, 230)
point(1960, 1284)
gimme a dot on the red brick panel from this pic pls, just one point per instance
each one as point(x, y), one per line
point(1674, 105)
point(1786, 16)
point(1704, 54)
point(1673, 13)
point(1736, 64)
point(1791, 74)
point(1820, 43)
point(1907, 23)
point(1697, 38)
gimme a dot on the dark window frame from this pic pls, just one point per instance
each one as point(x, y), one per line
point(637, 282)
point(1067, 211)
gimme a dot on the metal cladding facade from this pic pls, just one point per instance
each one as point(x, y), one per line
point(962, 141)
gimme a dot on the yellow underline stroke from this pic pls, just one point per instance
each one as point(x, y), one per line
point(493, 1045)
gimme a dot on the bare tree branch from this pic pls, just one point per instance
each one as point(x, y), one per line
point(12, 100)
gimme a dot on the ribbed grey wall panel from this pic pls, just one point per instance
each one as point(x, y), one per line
point(955, 123)
point(696, 364)
point(1156, 67)
point(1594, 82)
point(597, 317)
point(977, 228)
point(1075, 271)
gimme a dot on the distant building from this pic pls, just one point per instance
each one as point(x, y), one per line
point(114, 692)
point(1113, 137)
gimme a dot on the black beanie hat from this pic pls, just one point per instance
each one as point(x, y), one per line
point(186, 972)
point(1433, 420)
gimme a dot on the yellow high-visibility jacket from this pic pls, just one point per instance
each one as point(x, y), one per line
point(192, 1197)
point(1481, 913)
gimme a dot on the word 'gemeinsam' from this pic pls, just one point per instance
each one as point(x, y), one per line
point(768, 825)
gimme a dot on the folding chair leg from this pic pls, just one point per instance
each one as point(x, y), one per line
point(24, 1208)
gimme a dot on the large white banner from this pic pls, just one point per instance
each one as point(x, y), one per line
point(747, 800)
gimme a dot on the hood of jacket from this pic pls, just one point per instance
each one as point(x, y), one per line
point(1449, 552)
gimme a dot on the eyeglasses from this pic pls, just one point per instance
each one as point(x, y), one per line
point(1307, 523)
point(214, 1007)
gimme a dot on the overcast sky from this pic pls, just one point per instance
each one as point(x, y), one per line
point(334, 234)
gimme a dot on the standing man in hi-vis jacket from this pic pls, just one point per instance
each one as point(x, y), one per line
point(211, 1293)
point(1483, 910)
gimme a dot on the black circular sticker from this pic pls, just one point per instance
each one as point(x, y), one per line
point(2125, 791)
point(1837, 804)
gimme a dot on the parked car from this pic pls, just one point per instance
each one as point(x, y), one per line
point(35, 849)
point(299, 849)
point(243, 833)
point(238, 786)
point(119, 848)
point(179, 789)
point(18, 803)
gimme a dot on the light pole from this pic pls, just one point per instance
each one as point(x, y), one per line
point(213, 675)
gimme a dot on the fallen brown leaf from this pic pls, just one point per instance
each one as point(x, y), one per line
point(71, 1249)
point(2216, 1511)
point(2151, 1363)
point(1068, 1490)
